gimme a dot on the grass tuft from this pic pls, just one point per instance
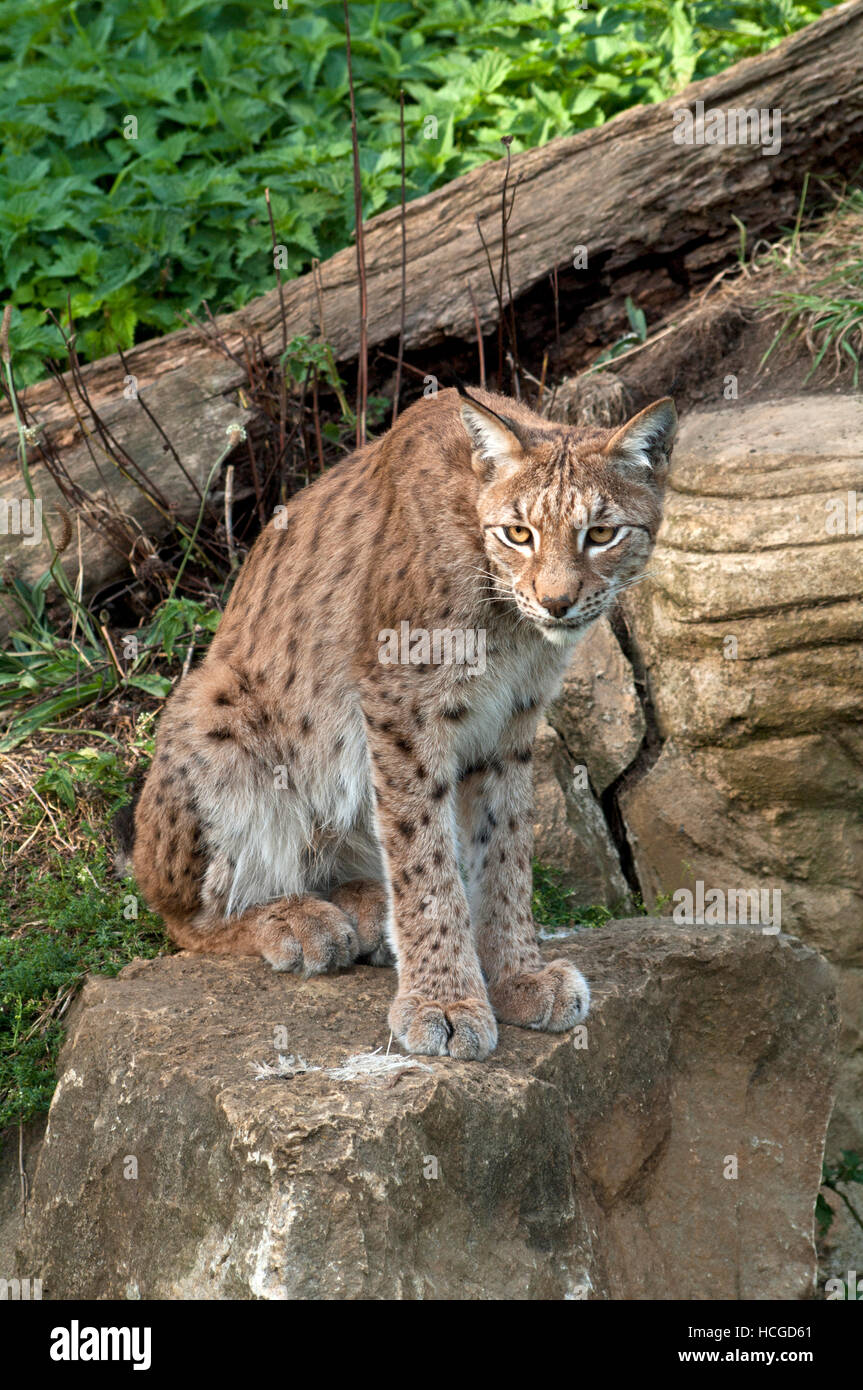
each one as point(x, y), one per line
point(817, 288)
point(71, 917)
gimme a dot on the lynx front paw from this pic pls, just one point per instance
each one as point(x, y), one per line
point(365, 903)
point(551, 999)
point(465, 1028)
point(309, 936)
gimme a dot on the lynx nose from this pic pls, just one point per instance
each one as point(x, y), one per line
point(557, 605)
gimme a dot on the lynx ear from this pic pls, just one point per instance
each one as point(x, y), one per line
point(643, 445)
point(495, 439)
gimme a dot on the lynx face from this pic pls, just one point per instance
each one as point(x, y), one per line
point(568, 520)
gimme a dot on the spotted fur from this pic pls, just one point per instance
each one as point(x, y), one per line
point(313, 805)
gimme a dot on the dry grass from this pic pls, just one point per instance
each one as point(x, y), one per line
point(38, 825)
point(815, 288)
point(808, 284)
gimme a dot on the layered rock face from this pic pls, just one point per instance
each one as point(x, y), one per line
point(592, 734)
point(748, 648)
point(220, 1131)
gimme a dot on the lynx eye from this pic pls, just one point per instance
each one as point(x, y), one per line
point(601, 535)
point(519, 535)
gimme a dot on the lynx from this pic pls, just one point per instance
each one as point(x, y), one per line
point(322, 793)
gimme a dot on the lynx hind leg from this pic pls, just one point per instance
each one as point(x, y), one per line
point(303, 933)
point(367, 905)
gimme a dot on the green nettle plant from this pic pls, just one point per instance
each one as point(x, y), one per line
point(137, 140)
point(44, 675)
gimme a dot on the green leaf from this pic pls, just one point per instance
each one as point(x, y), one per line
point(47, 711)
point(153, 685)
point(637, 321)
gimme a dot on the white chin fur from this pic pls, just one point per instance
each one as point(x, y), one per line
point(560, 636)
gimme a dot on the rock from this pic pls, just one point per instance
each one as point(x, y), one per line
point(589, 1165)
point(594, 731)
point(840, 1248)
point(751, 633)
point(684, 825)
point(845, 1122)
point(570, 830)
point(598, 713)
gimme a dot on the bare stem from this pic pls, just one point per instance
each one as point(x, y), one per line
point(404, 263)
point(363, 363)
point(283, 388)
point(480, 347)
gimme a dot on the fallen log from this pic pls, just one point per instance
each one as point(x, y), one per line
point(633, 193)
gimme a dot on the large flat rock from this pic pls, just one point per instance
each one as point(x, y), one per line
point(598, 1164)
point(751, 635)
